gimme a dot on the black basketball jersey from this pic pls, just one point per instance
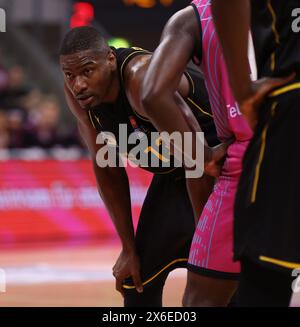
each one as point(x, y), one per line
point(107, 117)
point(276, 36)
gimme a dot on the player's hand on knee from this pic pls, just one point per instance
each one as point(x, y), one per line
point(127, 265)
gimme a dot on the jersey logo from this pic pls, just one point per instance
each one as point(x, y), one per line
point(234, 111)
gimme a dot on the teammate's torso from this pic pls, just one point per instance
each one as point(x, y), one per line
point(276, 36)
point(228, 119)
point(109, 117)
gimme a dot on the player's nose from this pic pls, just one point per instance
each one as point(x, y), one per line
point(79, 86)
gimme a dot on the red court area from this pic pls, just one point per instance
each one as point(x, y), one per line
point(57, 200)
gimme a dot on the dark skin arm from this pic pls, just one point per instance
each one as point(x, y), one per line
point(199, 188)
point(114, 189)
point(227, 16)
point(179, 41)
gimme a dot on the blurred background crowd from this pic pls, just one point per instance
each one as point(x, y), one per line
point(30, 117)
point(33, 113)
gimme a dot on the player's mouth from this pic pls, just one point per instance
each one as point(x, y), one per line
point(85, 100)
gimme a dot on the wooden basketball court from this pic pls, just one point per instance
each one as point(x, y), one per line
point(69, 276)
point(74, 275)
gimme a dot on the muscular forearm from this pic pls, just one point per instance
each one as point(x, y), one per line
point(114, 190)
point(171, 114)
point(232, 20)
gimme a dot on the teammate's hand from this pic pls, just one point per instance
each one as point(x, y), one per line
point(250, 105)
point(217, 156)
point(127, 265)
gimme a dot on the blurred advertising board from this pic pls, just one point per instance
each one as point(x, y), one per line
point(48, 200)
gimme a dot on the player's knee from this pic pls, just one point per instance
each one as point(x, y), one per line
point(207, 292)
point(194, 299)
point(190, 297)
point(185, 300)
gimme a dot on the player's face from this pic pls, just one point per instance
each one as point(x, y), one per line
point(88, 75)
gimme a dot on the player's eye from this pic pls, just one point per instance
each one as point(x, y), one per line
point(68, 75)
point(88, 71)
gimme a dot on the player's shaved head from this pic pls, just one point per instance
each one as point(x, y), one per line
point(89, 66)
point(81, 39)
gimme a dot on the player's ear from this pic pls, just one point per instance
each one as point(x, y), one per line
point(112, 60)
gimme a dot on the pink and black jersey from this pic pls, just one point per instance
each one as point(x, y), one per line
point(228, 119)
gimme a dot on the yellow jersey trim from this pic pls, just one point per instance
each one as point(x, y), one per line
point(129, 287)
point(198, 107)
point(282, 263)
point(285, 89)
point(189, 77)
point(91, 119)
point(261, 157)
point(276, 34)
point(128, 57)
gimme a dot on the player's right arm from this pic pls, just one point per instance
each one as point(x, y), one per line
point(113, 187)
point(232, 21)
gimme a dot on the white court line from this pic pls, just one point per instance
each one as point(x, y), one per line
point(52, 274)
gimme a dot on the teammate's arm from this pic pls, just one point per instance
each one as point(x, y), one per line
point(199, 189)
point(162, 102)
point(160, 98)
point(114, 189)
point(232, 20)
